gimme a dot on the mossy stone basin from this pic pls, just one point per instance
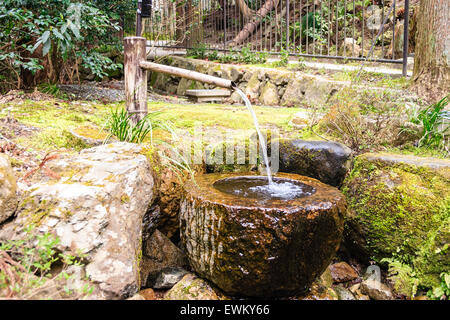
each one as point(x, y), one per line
point(258, 247)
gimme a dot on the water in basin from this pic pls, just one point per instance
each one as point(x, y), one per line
point(257, 187)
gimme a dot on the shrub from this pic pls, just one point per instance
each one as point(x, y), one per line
point(26, 269)
point(56, 36)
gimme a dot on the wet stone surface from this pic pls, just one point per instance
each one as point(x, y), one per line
point(260, 248)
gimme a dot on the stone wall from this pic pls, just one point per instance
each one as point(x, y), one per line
point(262, 85)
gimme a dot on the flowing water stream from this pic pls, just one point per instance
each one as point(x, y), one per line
point(278, 189)
point(260, 136)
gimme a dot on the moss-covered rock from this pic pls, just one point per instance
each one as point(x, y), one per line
point(8, 188)
point(269, 95)
point(399, 206)
point(253, 87)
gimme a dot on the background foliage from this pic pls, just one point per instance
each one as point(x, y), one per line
point(49, 40)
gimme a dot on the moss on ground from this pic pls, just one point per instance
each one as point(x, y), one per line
point(226, 116)
point(56, 119)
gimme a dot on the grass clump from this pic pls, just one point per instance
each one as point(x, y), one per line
point(435, 122)
point(120, 124)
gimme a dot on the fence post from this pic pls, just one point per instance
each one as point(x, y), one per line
point(135, 77)
point(405, 39)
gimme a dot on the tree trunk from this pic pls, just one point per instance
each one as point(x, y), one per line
point(250, 27)
point(432, 55)
point(245, 10)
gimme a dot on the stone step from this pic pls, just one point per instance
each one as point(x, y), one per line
point(205, 95)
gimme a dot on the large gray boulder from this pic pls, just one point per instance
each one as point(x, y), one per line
point(326, 161)
point(96, 208)
point(8, 188)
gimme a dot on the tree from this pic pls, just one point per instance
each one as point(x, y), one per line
point(432, 56)
point(245, 10)
point(251, 26)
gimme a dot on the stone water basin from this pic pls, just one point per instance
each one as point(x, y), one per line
point(254, 245)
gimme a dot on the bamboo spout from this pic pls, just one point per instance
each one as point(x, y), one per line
point(188, 74)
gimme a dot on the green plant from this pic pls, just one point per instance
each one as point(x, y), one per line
point(55, 36)
point(402, 275)
point(435, 121)
point(250, 57)
point(26, 268)
point(443, 291)
point(120, 125)
point(284, 59)
point(198, 52)
point(213, 56)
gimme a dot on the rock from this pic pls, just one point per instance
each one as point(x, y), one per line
point(308, 91)
point(137, 296)
point(376, 290)
point(236, 98)
point(186, 84)
point(235, 75)
point(95, 208)
point(192, 288)
point(343, 294)
point(260, 249)
point(350, 48)
point(303, 119)
point(322, 160)
point(8, 189)
point(319, 292)
point(433, 258)
point(354, 288)
point(90, 136)
point(169, 277)
point(148, 294)
point(269, 95)
point(342, 272)
point(159, 253)
point(326, 278)
point(399, 205)
point(253, 86)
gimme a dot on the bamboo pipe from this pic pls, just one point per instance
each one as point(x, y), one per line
point(188, 74)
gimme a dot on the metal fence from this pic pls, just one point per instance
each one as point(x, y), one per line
point(371, 30)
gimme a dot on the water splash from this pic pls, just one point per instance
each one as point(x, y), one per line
point(260, 136)
point(256, 187)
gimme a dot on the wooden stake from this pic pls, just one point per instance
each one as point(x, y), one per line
point(135, 77)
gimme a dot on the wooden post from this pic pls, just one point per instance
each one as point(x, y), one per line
point(135, 77)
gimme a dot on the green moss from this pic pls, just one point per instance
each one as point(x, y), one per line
point(124, 199)
point(91, 132)
point(35, 211)
point(403, 212)
point(225, 116)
